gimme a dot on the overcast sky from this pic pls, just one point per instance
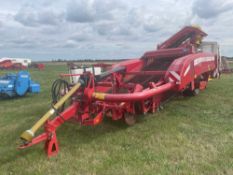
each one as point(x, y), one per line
point(102, 29)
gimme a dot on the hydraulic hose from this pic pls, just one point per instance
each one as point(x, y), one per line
point(57, 86)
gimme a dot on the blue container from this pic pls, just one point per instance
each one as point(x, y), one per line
point(34, 87)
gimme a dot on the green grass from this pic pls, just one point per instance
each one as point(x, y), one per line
point(190, 136)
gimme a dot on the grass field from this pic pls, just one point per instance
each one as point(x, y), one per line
point(190, 136)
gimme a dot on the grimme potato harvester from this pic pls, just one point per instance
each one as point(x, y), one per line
point(180, 65)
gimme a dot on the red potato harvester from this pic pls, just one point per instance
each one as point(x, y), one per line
point(9, 65)
point(182, 64)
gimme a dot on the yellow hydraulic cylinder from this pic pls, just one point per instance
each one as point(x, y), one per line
point(29, 134)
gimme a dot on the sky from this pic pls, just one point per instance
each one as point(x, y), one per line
point(106, 29)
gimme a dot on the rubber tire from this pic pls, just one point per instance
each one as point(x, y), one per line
point(194, 92)
point(130, 120)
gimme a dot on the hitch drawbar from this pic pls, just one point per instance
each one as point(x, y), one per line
point(29, 134)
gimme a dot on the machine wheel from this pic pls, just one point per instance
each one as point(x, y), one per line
point(189, 92)
point(130, 119)
point(195, 92)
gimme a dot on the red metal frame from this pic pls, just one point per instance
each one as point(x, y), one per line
point(137, 85)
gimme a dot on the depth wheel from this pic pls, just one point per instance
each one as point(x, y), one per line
point(189, 92)
point(195, 92)
point(130, 120)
